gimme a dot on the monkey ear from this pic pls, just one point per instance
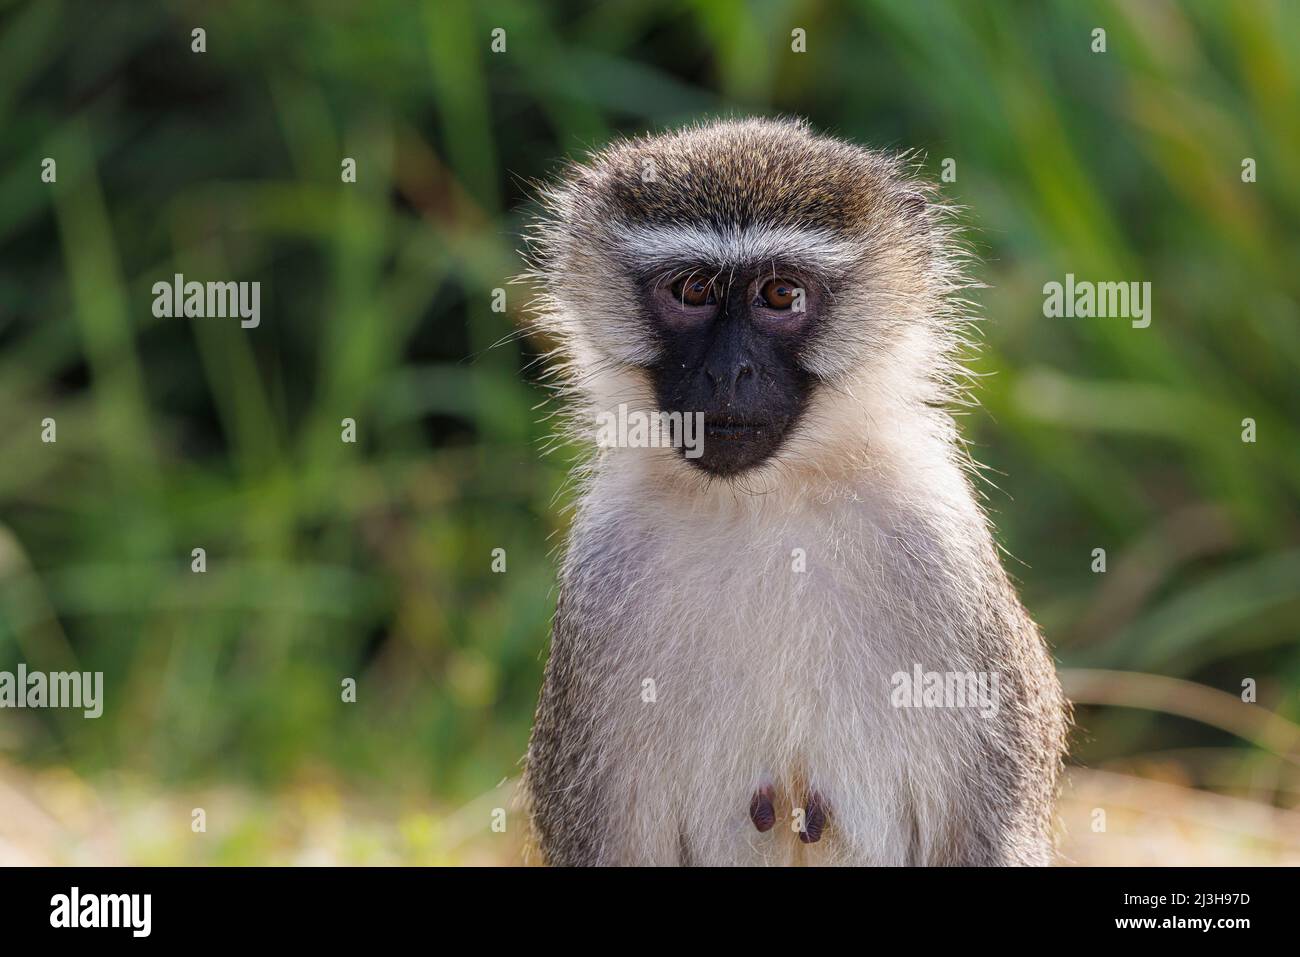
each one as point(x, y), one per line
point(914, 206)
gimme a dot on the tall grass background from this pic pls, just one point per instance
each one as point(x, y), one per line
point(372, 561)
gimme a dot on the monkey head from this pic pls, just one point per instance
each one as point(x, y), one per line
point(786, 286)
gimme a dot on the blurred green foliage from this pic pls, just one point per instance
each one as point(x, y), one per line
point(328, 560)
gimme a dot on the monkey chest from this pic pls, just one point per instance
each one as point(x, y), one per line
point(760, 728)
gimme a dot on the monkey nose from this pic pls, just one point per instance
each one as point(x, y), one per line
point(728, 378)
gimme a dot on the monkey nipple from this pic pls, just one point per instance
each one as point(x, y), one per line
point(761, 811)
point(814, 821)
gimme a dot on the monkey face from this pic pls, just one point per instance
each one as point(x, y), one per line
point(730, 346)
point(793, 290)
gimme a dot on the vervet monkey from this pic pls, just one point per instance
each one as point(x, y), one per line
point(753, 657)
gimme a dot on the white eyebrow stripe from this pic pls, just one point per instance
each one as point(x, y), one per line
point(663, 246)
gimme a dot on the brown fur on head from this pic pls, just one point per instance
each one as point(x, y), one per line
point(747, 173)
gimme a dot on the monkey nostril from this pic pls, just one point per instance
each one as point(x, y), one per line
point(729, 381)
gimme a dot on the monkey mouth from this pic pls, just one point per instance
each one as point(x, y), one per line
point(736, 430)
point(733, 444)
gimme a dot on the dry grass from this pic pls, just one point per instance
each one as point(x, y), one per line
point(55, 818)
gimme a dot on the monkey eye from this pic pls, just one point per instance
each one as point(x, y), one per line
point(777, 294)
point(694, 291)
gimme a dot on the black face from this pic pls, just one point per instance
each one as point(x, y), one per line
point(731, 345)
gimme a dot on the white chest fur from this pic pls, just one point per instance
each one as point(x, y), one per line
point(757, 643)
